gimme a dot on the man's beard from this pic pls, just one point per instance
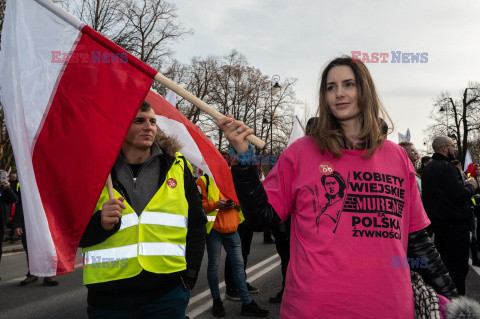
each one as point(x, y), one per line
point(451, 156)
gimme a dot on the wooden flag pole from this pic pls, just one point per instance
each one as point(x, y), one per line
point(111, 195)
point(200, 104)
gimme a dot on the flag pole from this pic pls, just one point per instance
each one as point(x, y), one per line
point(200, 104)
point(48, 4)
point(111, 195)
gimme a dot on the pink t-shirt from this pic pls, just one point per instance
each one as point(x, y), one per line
point(350, 223)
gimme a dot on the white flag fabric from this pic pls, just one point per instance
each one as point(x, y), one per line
point(468, 161)
point(171, 96)
point(69, 97)
point(297, 132)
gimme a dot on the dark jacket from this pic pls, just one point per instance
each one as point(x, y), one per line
point(18, 220)
point(260, 215)
point(7, 197)
point(147, 287)
point(446, 197)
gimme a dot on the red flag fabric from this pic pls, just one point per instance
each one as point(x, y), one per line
point(197, 147)
point(70, 96)
point(471, 169)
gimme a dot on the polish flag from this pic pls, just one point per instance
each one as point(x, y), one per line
point(196, 146)
point(69, 96)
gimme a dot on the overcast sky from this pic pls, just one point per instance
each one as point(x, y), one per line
point(297, 38)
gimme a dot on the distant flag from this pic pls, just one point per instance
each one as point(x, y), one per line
point(197, 148)
point(404, 138)
point(171, 96)
point(69, 96)
point(297, 131)
point(468, 161)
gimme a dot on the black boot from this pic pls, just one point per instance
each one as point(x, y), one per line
point(217, 309)
point(277, 298)
point(252, 309)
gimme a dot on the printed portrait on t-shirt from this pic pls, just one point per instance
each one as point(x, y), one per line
point(334, 186)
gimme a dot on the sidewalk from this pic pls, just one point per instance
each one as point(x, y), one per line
point(11, 246)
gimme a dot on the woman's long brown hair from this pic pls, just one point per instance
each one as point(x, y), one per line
point(328, 133)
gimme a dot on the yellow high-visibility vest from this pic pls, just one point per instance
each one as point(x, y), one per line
point(473, 199)
point(154, 241)
point(213, 195)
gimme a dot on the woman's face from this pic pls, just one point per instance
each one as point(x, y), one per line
point(331, 186)
point(341, 93)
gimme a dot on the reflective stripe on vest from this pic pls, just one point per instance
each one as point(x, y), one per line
point(161, 249)
point(129, 221)
point(164, 219)
point(155, 241)
point(213, 195)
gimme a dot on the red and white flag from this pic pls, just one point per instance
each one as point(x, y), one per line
point(196, 146)
point(70, 96)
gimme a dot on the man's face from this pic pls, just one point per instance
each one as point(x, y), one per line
point(13, 177)
point(143, 130)
point(450, 149)
point(412, 154)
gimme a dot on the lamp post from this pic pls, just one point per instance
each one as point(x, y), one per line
point(274, 87)
point(442, 109)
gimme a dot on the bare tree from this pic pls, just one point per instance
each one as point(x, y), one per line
point(103, 16)
point(152, 26)
point(234, 87)
point(3, 4)
point(6, 151)
point(457, 118)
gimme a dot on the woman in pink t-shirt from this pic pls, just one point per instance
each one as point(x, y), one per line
point(358, 224)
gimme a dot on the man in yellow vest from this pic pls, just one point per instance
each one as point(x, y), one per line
point(223, 220)
point(143, 249)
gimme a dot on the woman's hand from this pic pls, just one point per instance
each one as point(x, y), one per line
point(235, 132)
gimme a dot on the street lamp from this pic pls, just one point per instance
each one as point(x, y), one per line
point(274, 87)
point(445, 109)
point(442, 109)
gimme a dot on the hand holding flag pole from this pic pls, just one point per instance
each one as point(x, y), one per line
point(201, 105)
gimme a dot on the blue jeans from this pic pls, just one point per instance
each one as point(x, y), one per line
point(172, 305)
point(231, 243)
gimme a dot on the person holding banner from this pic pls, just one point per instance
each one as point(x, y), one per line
point(359, 266)
point(144, 247)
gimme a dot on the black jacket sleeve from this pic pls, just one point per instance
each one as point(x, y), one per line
point(18, 219)
point(258, 212)
point(456, 188)
point(434, 274)
point(9, 196)
point(196, 234)
point(95, 233)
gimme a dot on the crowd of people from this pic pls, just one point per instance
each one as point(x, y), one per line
point(352, 213)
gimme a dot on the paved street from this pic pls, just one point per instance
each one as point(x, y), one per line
point(68, 300)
